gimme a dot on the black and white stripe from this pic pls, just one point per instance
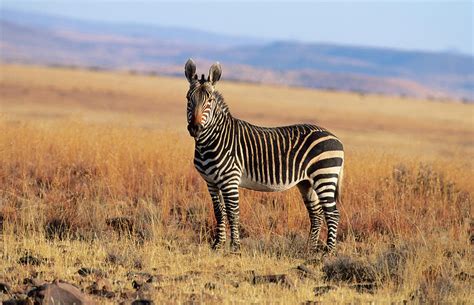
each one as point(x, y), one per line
point(231, 153)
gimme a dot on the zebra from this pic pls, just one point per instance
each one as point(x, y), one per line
point(232, 153)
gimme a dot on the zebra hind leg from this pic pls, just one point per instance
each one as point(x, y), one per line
point(326, 193)
point(328, 204)
point(315, 213)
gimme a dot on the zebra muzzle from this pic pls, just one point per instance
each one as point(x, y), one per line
point(194, 130)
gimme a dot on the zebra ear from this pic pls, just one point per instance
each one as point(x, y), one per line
point(215, 73)
point(190, 70)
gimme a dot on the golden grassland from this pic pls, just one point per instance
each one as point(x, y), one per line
point(80, 149)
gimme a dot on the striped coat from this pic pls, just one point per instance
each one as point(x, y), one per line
point(231, 153)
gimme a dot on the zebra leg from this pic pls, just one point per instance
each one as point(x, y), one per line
point(231, 198)
point(326, 193)
point(315, 212)
point(220, 213)
point(332, 220)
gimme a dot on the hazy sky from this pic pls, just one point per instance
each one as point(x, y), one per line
point(424, 25)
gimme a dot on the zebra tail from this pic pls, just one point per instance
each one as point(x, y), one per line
point(338, 193)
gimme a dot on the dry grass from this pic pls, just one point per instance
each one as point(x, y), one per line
point(83, 150)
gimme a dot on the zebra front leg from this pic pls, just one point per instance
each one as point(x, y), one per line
point(220, 214)
point(230, 194)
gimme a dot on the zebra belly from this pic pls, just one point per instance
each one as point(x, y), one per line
point(250, 184)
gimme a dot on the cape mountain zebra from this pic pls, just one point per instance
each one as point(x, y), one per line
point(230, 153)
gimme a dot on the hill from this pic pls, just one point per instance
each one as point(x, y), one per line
point(50, 40)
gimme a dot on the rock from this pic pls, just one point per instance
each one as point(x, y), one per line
point(156, 278)
point(194, 273)
point(143, 280)
point(5, 288)
point(315, 261)
point(103, 284)
point(137, 284)
point(29, 259)
point(4, 297)
point(464, 276)
point(133, 274)
point(129, 294)
point(202, 298)
point(147, 287)
point(320, 290)
point(143, 302)
point(101, 288)
point(138, 264)
point(26, 301)
point(116, 259)
point(142, 286)
point(346, 269)
point(364, 287)
point(304, 269)
point(85, 271)
point(281, 279)
point(210, 286)
point(30, 283)
point(57, 228)
point(20, 296)
point(134, 295)
point(35, 282)
point(305, 272)
point(103, 293)
point(121, 224)
point(59, 293)
point(181, 278)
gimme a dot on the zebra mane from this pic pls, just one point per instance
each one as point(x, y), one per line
point(221, 104)
point(205, 90)
point(201, 91)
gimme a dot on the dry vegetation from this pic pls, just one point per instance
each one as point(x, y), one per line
point(96, 171)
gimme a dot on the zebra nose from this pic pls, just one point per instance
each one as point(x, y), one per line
point(194, 130)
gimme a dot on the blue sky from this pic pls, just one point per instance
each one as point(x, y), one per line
point(421, 25)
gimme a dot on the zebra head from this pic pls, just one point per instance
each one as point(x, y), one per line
point(201, 98)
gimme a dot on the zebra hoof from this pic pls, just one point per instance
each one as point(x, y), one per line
point(317, 249)
point(235, 248)
point(218, 245)
point(329, 253)
point(321, 248)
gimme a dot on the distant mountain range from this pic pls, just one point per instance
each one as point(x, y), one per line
point(50, 40)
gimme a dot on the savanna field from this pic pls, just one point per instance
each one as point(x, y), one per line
point(97, 188)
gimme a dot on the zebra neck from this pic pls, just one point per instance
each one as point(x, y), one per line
point(220, 126)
